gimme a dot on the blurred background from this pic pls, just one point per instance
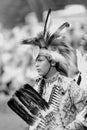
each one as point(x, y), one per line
point(21, 19)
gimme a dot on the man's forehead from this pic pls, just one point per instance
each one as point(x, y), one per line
point(40, 56)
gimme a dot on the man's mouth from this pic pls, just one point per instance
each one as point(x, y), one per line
point(38, 70)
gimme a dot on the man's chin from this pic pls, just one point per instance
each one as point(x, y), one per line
point(40, 73)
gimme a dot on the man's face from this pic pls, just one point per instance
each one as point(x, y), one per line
point(42, 65)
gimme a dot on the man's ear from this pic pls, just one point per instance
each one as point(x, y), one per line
point(53, 63)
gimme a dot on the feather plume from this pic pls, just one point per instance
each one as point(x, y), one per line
point(18, 108)
point(33, 41)
point(30, 90)
point(26, 95)
point(79, 79)
point(44, 39)
point(47, 24)
point(28, 102)
point(56, 34)
point(40, 40)
point(51, 41)
point(63, 26)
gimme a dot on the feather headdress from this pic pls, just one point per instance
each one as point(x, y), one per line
point(52, 45)
point(47, 40)
point(44, 39)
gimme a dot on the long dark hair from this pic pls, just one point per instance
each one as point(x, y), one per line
point(61, 69)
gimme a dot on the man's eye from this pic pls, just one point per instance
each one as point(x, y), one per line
point(38, 59)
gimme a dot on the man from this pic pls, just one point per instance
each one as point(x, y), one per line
point(73, 99)
point(67, 102)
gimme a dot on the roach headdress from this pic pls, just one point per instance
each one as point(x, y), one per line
point(52, 45)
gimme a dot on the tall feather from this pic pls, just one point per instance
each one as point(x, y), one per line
point(63, 26)
point(56, 34)
point(47, 24)
point(40, 39)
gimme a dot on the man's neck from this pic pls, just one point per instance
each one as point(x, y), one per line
point(52, 72)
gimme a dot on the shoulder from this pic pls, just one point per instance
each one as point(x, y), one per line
point(76, 92)
point(64, 78)
point(64, 81)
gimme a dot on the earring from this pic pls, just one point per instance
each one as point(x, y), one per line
point(53, 63)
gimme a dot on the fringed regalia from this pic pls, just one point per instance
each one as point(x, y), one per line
point(56, 109)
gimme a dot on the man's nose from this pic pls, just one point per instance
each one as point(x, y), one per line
point(36, 64)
